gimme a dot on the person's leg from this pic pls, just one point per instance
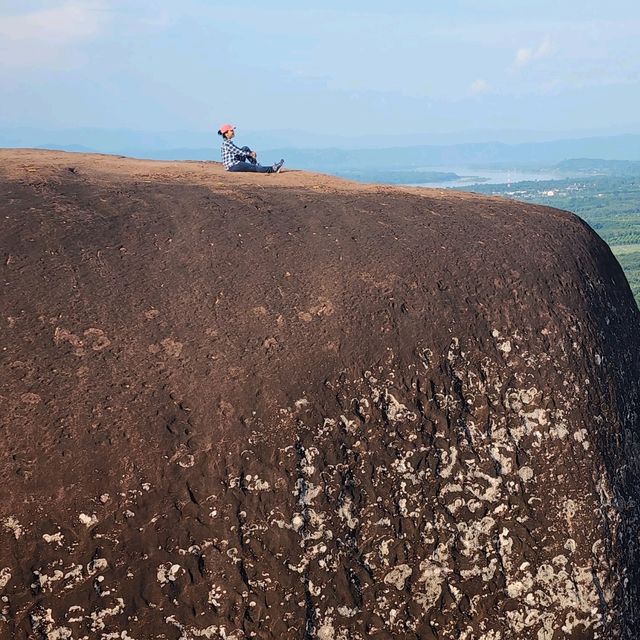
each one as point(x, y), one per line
point(249, 158)
point(247, 166)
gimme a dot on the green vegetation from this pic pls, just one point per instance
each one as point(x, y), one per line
point(629, 258)
point(609, 204)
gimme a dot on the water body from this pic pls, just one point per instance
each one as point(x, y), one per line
point(470, 176)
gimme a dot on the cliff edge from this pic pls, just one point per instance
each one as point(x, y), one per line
point(289, 406)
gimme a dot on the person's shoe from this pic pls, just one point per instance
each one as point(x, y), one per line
point(277, 166)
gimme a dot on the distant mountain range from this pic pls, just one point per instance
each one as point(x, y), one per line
point(195, 146)
point(533, 154)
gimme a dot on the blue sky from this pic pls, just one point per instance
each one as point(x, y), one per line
point(358, 67)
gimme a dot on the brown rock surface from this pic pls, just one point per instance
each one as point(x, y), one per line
point(289, 406)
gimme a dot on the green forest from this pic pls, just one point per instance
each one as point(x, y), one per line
point(609, 204)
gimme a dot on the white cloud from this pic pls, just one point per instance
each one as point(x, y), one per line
point(41, 38)
point(544, 50)
point(479, 87)
point(524, 55)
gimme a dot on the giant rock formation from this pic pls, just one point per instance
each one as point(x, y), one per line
point(289, 406)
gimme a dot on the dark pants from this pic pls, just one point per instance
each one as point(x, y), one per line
point(247, 166)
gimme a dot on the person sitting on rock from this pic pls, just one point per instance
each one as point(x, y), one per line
point(236, 158)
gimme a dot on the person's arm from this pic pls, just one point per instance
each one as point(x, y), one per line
point(249, 152)
point(242, 153)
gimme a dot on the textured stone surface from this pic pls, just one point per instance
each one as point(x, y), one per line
point(294, 407)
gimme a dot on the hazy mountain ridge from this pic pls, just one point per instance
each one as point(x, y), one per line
point(112, 140)
point(611, 148)
point(317, 156)
point(601, 167)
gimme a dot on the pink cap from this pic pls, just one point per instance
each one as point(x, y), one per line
point(226, 127)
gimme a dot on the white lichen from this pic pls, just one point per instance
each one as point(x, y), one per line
point(11, 524)
point(398, 576)
point(88, 521)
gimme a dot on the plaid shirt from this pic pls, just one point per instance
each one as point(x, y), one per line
point(231, 154)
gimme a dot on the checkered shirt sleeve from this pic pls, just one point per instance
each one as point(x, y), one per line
point(231, 153)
